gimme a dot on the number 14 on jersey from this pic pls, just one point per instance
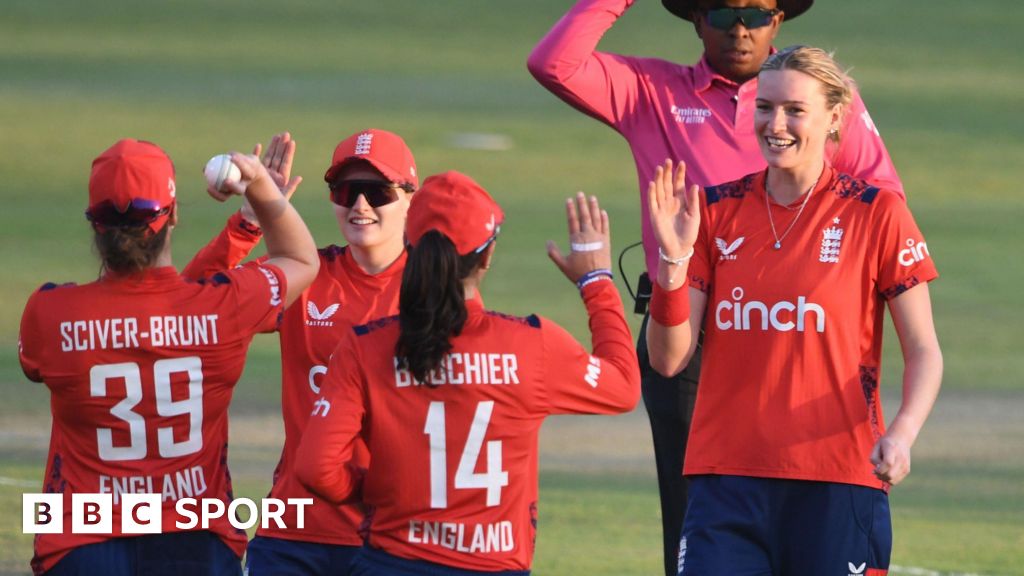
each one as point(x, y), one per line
point(466, 478)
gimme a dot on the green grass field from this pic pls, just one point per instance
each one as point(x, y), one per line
point(942, 79)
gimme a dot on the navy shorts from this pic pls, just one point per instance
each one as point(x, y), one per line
point(373, 562)
point(282, 557)
point(741, 526)
point(197, 553)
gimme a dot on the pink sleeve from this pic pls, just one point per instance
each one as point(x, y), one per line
point(324, 463)
point(605, 382)
point(226, 251)
point(861, 152)
point(565, 62)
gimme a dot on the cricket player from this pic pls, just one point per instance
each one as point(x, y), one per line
point(371, 179)
point(450, 396)
point(701, 114)
point(141, 365)
point(789, 271)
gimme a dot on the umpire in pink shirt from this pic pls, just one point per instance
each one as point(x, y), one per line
point(702, 114)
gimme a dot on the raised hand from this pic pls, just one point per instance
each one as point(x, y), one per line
point(589, 239)
point(278, 162)
point(674, 210)
point(251, 168)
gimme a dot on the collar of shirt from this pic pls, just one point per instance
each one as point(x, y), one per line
point(825, 181)
point(148, 276)
point(704, 75)
point(353, 268)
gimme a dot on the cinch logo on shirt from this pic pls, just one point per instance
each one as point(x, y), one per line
point(690, 115)
point(782, 316)
point(318, 318)
point(913, 253)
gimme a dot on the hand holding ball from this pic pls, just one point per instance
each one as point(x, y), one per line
point(220, 170)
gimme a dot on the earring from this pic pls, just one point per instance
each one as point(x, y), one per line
point(833, 131)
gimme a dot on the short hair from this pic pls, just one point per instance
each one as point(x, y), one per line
point(836, 85)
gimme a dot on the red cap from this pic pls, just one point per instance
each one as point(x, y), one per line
point(385, 151)
point(133, 170)
point(455, 205)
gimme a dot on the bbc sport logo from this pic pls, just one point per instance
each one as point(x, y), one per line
point(143, 513)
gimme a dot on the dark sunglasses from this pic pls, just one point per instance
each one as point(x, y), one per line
point(726, 18)
point(138, 212)
point(377, 193)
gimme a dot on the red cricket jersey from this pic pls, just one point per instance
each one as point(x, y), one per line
point(793, 337)
point(341, 296)
point(687, 113)
point(453, 474)
point(141, 370)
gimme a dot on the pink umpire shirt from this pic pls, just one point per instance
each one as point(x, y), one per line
point(688, 113)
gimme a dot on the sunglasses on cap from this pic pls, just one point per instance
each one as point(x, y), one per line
point(726, 18)
point(377, 192)
point(497, 230)
point(138, 212)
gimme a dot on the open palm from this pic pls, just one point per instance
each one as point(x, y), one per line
point(674, 210)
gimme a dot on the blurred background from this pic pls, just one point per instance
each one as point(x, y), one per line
point(943, 81)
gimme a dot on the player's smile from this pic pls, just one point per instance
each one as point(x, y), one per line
point(791, 118)
point(361, 221)
point(776, 143)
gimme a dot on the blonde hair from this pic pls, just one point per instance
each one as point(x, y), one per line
point(836, 85)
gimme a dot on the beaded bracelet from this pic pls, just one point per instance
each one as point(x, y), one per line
point(594, 276)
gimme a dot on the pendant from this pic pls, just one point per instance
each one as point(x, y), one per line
point(777, 245)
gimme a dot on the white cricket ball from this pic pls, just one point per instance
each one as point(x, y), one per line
point(220, 170)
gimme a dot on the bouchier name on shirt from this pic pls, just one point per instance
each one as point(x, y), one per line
point(466, 368)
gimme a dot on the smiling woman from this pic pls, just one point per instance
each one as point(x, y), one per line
point(700, 114)
point(371, 178)
point(792, 335)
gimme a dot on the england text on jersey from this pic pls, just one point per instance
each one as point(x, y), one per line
point(172, 486)
point(124, 333)
point(466, 368)
point(468, 538)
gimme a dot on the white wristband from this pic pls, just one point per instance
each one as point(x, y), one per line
point(586, 246)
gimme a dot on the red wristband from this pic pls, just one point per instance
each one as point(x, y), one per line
point(670, 308)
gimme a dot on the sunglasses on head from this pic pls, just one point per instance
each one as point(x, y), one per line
point(377, 192)
point(497, 230)
point(726, 18)
point(138, 212)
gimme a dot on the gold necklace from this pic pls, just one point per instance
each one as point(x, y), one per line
point(771, 221)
